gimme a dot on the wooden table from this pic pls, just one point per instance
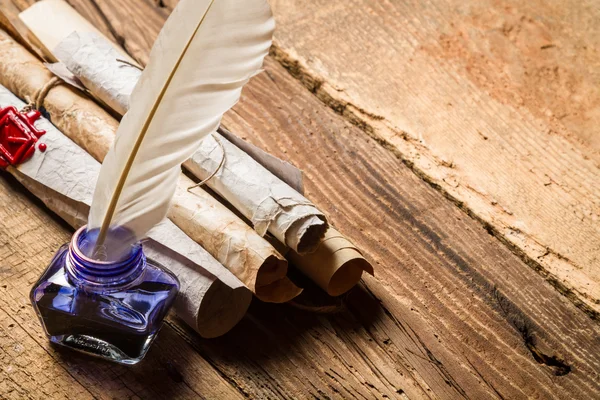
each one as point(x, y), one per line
point(456, 142)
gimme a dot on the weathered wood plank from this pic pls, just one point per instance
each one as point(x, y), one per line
point(452, 312)
point(32, 368)
point(495, 103)
point(440, 276)
point(470, 263)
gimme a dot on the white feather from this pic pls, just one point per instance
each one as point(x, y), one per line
point(202, 58)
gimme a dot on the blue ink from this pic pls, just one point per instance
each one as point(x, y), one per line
point(109, 309)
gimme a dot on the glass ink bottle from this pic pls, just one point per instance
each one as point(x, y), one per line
point(112, 310)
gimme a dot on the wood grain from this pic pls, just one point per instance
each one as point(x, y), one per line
point(32, 368)
point(495, 103)
point(439, 272)
point(452, 312)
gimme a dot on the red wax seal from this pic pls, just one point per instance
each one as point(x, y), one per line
point(42, 147)
point(17, 135)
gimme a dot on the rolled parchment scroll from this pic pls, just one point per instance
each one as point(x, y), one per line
point(336, 265)
point(211, 299)
point(268, 202)
point(85, 55)
point(225, 236)
point(252, 187)
point(56, 18)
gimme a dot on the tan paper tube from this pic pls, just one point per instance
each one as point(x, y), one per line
point(259, 195)
point(51, 21)
point(336, 266)
point(233, 243)
point(268, 202)
point(64, 177)
point(256, 192)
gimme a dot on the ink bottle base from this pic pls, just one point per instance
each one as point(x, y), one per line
point(109, 310)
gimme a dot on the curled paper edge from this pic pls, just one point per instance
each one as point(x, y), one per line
point(336, 266)
point(87, 124)
point(68, 195)
point(92, 59)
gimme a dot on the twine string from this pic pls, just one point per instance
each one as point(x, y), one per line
point(38, 98)
point(129, 63)
point(202, 182)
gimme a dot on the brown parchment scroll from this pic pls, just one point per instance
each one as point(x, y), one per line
point(64, 177)
point(230, 240)
point(336, 266)
point(246, 184)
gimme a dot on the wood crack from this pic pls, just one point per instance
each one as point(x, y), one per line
point(525, 327)
point(314, 85)
point(514, 316)
point(480, 375)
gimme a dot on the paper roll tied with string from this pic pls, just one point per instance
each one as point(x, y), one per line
point(336, 265)
point(224, 235)
point(211, 299)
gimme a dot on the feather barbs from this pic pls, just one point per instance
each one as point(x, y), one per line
point(202, 58)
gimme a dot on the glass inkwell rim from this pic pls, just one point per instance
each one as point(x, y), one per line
point(102, 276)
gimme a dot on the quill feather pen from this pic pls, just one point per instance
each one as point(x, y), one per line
point(203, 56)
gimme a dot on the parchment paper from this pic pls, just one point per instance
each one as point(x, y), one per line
point(64, 177)
point(259, 195)
point(336, 266)
point(51, 21)
point(224, 235)
point(94, 60)
point(268, 202)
